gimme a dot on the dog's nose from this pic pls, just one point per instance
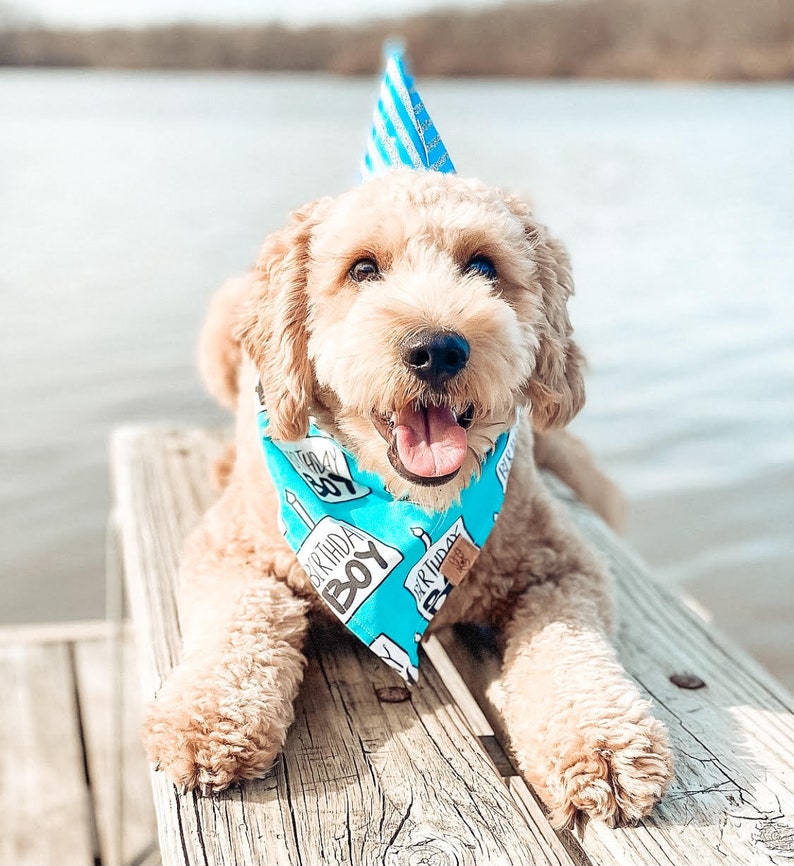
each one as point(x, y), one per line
point(435, 356)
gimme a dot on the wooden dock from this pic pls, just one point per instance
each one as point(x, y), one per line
point(74, 784)
point(364, 780)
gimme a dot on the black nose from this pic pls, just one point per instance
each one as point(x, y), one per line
point(435, 356)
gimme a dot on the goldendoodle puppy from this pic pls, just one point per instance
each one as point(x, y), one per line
point(411, 318)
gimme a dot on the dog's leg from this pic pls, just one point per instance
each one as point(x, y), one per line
point(581, 732)
point(571, 461)
point(223, 714)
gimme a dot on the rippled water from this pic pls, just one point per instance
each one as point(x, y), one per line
point(126, 198)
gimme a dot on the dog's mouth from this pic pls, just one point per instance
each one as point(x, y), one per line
point(427, 442)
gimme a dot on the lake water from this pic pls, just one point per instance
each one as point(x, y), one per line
point(126, 198)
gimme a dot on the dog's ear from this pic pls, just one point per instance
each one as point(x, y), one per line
point(272, 325)
point(556, 387)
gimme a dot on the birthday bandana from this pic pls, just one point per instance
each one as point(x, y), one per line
point(383, 566)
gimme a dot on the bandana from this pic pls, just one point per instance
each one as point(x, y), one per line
point(383, 566)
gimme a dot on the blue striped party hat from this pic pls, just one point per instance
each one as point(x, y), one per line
point(402, 132)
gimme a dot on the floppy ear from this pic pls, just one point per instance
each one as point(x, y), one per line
point(556, 387)
point(272, 325)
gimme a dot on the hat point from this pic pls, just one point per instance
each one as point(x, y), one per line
point(402, 133)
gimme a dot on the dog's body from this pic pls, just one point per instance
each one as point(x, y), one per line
point(411, 317)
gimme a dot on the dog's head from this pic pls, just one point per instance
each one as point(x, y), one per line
point(413, 315)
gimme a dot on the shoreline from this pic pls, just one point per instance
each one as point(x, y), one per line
point(699, 40)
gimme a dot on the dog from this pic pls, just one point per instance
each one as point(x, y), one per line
point(412, 318)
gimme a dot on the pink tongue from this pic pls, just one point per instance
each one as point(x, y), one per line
point(430, 442)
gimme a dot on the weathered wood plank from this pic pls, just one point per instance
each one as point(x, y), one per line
point(45, 816)
point(162, 487)
point(362, 782)
point(560, 844)
point(733, 739)
point(401, 783)
point(124, 811)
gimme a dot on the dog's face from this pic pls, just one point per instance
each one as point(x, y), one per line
point(414, 315)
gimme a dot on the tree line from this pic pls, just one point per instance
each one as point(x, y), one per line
point(655, 39)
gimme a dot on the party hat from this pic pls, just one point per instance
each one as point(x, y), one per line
point(402, 132)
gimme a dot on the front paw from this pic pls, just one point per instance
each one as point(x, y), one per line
point(207, 738)
point(615, 776)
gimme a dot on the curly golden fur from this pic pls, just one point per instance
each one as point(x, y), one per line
point(326, 346)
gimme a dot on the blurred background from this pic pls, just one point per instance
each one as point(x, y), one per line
point(147, 148)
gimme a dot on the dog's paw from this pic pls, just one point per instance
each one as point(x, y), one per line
point(616, 777)
point(208, 739)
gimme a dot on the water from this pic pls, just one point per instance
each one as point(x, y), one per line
point(127, 197)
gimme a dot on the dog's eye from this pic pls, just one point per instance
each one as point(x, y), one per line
point(481, 265)
point(363, 270)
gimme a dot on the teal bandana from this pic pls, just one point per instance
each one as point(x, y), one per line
point(384, 566)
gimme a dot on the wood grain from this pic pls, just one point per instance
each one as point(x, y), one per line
point(124, 811)
point(60, 739)
point(46, 816)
